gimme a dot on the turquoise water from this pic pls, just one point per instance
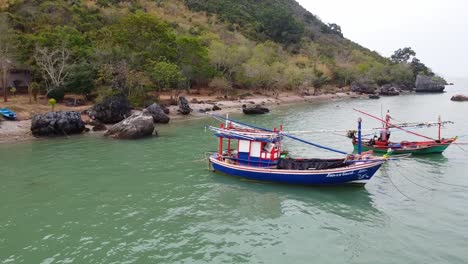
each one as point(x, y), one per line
point(87, 199)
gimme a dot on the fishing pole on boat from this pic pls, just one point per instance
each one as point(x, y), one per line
point(393, 125)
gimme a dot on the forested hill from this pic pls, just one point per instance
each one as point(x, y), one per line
point(135, 47)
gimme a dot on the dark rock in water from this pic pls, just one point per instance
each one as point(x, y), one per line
point(459, 98)
point(98, 126)
point(202, 111)
point(364, 86)
point(216, 108)
point(136, 126)
point(165, 109)
point(158, 114)
point(57, 124)
point(184, 107)
point(374, 96)
point(111, 110)
point(389, 90)
point(429, 84)
point(256, 110)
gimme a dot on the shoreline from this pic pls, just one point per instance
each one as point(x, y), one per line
point(19, 131)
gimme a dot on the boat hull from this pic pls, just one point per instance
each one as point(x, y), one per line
point(7, 114)
point(431, 149)
point(356, 174)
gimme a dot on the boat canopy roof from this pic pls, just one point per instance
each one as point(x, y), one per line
point(247, 134)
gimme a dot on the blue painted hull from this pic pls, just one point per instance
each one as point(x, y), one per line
point(356, 173)
point(7, 113)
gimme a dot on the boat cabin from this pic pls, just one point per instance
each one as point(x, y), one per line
point(249, 146)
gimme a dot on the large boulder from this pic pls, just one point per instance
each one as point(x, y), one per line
point(111, 110)
point(364, 86)
point(429, 84)
point(136, 126)
point(184, 107)
point(459, 98)
point(57, 124)
point(256, 110)
point(158, 114)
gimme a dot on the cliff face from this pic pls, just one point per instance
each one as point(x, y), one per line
point(429, 84)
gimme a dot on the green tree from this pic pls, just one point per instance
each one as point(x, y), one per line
point(167, 76)
point(81, 78)
point(403, 55)
point(140, 39)
point(7, 52)
point(192, 58)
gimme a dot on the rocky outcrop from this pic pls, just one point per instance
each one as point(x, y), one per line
point(111, 110)
point(364, 86)
point(158, 114)
point(136, 126)
point(256, 110)
point(429, 84)
point(459, 98)
point(389, 90)
point(184, 107)
point(57, 124)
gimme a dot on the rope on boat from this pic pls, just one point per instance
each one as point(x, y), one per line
point(286, 135)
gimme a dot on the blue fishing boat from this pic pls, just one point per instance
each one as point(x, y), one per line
point(7, 113)
point(256, 154)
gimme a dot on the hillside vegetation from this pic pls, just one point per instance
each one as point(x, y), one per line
point(138, 47)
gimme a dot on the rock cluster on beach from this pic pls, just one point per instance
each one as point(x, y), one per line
point(364, 86)
point(111, 110)
point(57, 124)
point(429, 84)
point(389, 90)
point(459, 98)
point(136, 126)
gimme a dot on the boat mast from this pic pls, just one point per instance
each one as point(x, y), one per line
point(359, 136)
point(440, 124)
point(220, 152)
point(387, 121)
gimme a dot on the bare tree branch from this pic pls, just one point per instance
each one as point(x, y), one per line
point(55, 65)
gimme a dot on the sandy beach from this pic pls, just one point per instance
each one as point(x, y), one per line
point(13, 131)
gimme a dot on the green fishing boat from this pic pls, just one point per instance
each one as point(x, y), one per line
point(382, 144)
